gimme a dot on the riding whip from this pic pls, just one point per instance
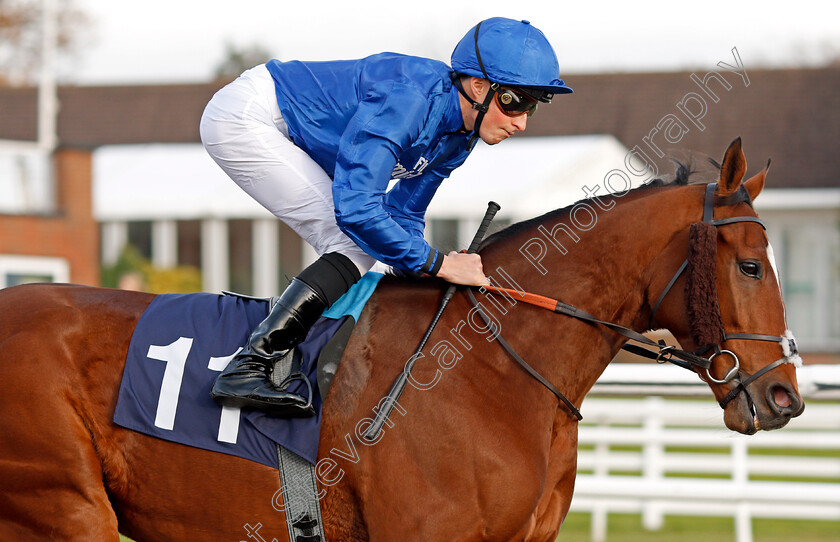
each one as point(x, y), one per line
point(399, 385)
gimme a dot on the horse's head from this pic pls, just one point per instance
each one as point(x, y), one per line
point(735, 314)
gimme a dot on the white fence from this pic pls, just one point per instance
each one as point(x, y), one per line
point(815, 381)
point(675, 457)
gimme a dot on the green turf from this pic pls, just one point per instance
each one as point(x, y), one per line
point(628, 528)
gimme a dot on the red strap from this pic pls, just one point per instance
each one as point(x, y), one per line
point(532, 299)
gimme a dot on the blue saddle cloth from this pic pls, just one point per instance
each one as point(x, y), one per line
point(179, 346)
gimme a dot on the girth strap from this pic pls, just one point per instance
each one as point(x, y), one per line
point(299, 484)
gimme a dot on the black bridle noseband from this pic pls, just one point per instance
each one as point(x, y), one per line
point(666, 353)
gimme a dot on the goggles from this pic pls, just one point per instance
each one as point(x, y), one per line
point(515, 102)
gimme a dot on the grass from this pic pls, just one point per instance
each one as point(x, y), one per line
point(628, 528)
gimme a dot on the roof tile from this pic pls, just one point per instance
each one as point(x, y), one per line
point(791, 116)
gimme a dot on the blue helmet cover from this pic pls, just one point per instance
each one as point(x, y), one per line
point(514, 53)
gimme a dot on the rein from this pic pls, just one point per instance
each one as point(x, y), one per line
point(666, 353)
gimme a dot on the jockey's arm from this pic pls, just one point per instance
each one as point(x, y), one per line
point(384, 125)
point(457, 268)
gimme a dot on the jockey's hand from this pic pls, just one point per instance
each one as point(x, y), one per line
point(461, 268)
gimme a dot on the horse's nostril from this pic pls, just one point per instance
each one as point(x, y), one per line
point(781, 397)
point(784, 401)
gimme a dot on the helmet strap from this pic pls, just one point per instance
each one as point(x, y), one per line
point(488, 99)
point(482, 108)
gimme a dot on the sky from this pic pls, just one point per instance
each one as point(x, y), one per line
point(172, 41)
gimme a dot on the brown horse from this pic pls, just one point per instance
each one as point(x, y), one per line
point(476, 450)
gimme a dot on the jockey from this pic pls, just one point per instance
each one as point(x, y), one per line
point(317, 143)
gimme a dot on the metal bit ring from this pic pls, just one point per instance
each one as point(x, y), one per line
point(732, 372)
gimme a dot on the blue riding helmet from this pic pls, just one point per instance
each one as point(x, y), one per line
point(510, 53)
point(507, 53)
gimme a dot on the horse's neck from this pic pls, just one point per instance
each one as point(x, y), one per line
point(605, 273)
point(602, 267)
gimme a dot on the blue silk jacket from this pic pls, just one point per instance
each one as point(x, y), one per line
point(366, 122)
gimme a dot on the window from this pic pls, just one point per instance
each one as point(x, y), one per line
point(25, 180)
point(807, 248)
point(810, 270)
point(140, 237)
point(15, 270)
point(444, 234)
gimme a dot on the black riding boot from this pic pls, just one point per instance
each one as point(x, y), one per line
point(246, 381)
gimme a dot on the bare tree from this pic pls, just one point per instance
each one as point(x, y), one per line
point(20, 37)
point(239, 59)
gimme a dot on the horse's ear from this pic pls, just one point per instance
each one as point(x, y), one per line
point(755, 184)
point(733, 168)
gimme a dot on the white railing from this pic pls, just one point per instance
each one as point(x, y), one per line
point(685, 438)
point(815, 381)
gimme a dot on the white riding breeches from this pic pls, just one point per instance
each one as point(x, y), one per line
point(244, 132)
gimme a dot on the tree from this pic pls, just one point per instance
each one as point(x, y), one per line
point(20, 37)
point(133, 271)
point(237, 60)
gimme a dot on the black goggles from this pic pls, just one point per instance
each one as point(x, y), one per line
point(514, 102)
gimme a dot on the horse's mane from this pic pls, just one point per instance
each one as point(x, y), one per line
point(688, 172)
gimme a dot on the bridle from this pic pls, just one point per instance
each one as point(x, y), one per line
point(734, 373)
point(666, 353)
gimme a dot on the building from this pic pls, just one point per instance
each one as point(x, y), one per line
point(143, 141)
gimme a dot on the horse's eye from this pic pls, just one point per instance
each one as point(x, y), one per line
point(751, 269)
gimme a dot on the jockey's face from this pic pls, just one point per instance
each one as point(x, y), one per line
point(496, 126)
